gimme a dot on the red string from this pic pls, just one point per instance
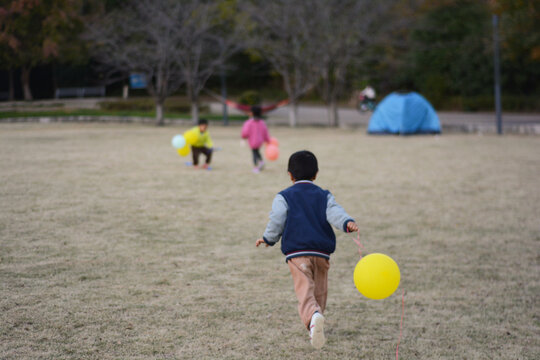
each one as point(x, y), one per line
point(401, 322)
point(360, 248)
point(357, 241)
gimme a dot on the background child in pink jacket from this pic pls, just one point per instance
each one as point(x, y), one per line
point(256, 132)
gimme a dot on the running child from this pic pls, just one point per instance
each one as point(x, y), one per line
point(301, 216)
point(256, 132)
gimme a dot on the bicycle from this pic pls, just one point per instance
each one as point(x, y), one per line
point(365, 104)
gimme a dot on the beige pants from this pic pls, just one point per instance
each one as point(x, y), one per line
point(310, 277)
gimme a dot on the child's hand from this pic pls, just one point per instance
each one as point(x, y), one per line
point(283, 102)
point(259, 242)
point(351, 226)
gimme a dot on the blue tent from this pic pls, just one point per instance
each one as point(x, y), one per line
point(404, 114)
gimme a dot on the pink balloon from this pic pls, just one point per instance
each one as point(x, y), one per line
point(274, 141)
point(271, 152)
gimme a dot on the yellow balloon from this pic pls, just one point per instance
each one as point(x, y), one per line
point(191, 137)
point(184, 151)
point(376, 276)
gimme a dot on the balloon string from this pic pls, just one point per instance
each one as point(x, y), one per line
point(401, 322)
point(357, 241)
point(360, 248)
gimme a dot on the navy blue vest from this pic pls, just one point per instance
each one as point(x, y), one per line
point(307, 232)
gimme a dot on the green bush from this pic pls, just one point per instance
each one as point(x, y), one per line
point(143, 104)
point(435, 85)
point(521, 103)
point(172, 105)
point(250, 97)
point(487, 103)
point(478, 103)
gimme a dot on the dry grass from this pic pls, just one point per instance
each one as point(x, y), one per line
point(110, 248)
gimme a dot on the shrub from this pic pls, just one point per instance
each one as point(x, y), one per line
point(435, 85)
point(172, 105)
point(250, 97)
point(130, 104)
point(487, 103)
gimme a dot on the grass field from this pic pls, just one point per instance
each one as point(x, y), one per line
point(110, 248)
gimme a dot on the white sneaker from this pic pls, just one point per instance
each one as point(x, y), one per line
point(316, 331)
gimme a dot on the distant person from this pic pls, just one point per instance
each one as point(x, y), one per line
point(366, 99)
point(202, 145)
point(368, 93)
point(256, 133)
point(301, 216)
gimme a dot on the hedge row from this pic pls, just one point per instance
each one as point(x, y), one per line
point(487, 103)
point(475, 103)
point(147, 104)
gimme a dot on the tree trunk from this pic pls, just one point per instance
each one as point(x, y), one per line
point(194, 111)
point(54, 78)
point(25, 79)
point(293, 114)
point(333, 113)
point(159, 113)
point(194, 98)
point(11, 86)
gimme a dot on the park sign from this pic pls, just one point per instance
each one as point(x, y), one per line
point(137, 81)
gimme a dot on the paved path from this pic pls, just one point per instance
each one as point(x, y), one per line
point(450, 121)
point(310, 115)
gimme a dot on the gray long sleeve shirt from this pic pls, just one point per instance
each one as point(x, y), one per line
point(335, 215)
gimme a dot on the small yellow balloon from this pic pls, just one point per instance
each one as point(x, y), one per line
point(184, 151)
point(376, 276)
point(191, 137)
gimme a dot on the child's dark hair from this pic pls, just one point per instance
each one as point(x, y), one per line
point(256, 111)
point(202, 122)
point(303, 165)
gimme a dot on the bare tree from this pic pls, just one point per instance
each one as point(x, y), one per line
point(208, 34)
point(282, 34)
point(141, 37)
point(345, 28)
point(172, 42)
